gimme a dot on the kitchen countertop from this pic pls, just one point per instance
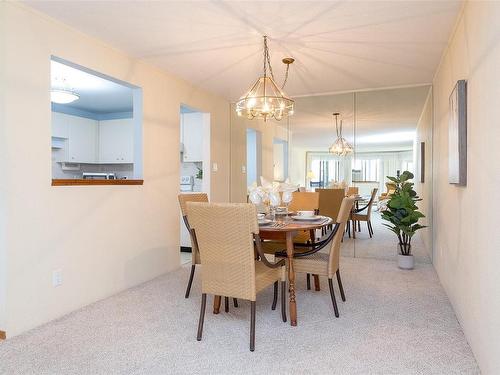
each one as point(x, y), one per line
point(72, 182)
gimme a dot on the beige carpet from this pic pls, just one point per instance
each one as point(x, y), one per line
point(394, 322)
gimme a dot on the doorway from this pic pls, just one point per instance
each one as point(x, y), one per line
point(194, 163)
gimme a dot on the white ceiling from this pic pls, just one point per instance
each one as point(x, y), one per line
point(97, 94)
point(338, 45)
point(385, 119)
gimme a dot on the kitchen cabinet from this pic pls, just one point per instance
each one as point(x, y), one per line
point(60, 128)
point(192, 136)
point(116, 141)
point(82, 144)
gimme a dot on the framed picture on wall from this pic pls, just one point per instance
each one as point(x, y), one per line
point(422, 162)
point(457, 135)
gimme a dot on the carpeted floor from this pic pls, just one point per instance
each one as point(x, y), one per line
point(393, 322)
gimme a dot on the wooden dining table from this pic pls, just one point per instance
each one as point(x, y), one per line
point(285, 228)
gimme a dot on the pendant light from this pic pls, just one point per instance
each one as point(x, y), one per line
point(265, 99)
point(340, 147)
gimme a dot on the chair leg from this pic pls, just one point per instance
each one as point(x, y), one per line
point(334, 302)
point(188, 289)
point(275, 296)
point(283, 300)
point(202, 316)
point(368, 226)
point(217, 304)
point(308, 280)
point(235, 302)
point(359, 225)
point(342, 295)
point(317, 287)
point(252, 326)
point(353, 229)
point(226, 304)
point(349, 228)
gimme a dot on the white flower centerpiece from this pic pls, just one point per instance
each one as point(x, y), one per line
point(271, 194)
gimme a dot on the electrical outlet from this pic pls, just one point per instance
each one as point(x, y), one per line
point(56, 278)
point(243, 169)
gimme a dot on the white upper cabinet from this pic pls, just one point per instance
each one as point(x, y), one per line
point(82, 140)
point(116, 141)
point(192, 136)
point(60, 128)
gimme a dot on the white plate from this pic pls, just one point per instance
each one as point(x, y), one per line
point(307, 218)
point(264, 221)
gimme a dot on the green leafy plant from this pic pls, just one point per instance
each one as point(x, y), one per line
point(402, 212)
point(199, 174)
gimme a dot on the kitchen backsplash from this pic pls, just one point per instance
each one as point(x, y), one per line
point(121, 170)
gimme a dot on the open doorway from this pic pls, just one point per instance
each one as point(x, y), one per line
point(194, 163)
point(254, 156)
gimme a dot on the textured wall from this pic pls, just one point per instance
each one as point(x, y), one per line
point(466, 234)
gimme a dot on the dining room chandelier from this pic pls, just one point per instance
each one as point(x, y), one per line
point(340, 147)
point(265, 99)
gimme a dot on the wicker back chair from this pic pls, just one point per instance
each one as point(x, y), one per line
point(364, 214)
point(195, 253)
point(322, 263)
point(227, 235)
point(352, 190)
point(304, 201)
point(330, 201)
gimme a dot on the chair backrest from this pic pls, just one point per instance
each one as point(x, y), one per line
point(224, 232)
point(342, 217)
point(370, 203)
point(352, 190)
point(304, 201)
point(391, 187)
point(330, 201)
point(183, 199)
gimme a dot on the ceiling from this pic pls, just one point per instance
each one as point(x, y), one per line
point(338, 45)
point(385, 119)
point(97, 94)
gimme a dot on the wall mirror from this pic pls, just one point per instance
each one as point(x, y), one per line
point(384, 128)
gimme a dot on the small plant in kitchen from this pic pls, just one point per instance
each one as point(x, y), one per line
point(403, 216)
point(199, 174)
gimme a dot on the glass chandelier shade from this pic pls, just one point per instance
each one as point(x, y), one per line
point(340, 146)
point(265, 100)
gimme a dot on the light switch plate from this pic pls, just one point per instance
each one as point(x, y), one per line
point(243, 169)
point(215, 167)
point(56, 278)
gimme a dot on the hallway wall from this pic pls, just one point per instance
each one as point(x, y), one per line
point(466, 237)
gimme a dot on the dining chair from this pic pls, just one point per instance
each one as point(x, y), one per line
point(306, 201)
point(330, 201)
point(364, 214)
point(352, 190)
point(228, 238)
point(195, 253)
point(314, 261)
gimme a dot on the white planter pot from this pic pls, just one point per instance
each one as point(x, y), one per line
point(406, 262)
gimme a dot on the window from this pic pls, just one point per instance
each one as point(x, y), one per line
point(364, 170)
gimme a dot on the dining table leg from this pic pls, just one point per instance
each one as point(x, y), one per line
point(291, 278)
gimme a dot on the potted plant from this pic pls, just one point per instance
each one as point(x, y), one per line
point(403, 216)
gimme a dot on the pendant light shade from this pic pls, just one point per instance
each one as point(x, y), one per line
point(340, 146)
point(265, 99)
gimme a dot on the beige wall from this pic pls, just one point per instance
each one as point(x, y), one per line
point(268, 130)
point(424, 190)
point(104, 238)
point(466, 234)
